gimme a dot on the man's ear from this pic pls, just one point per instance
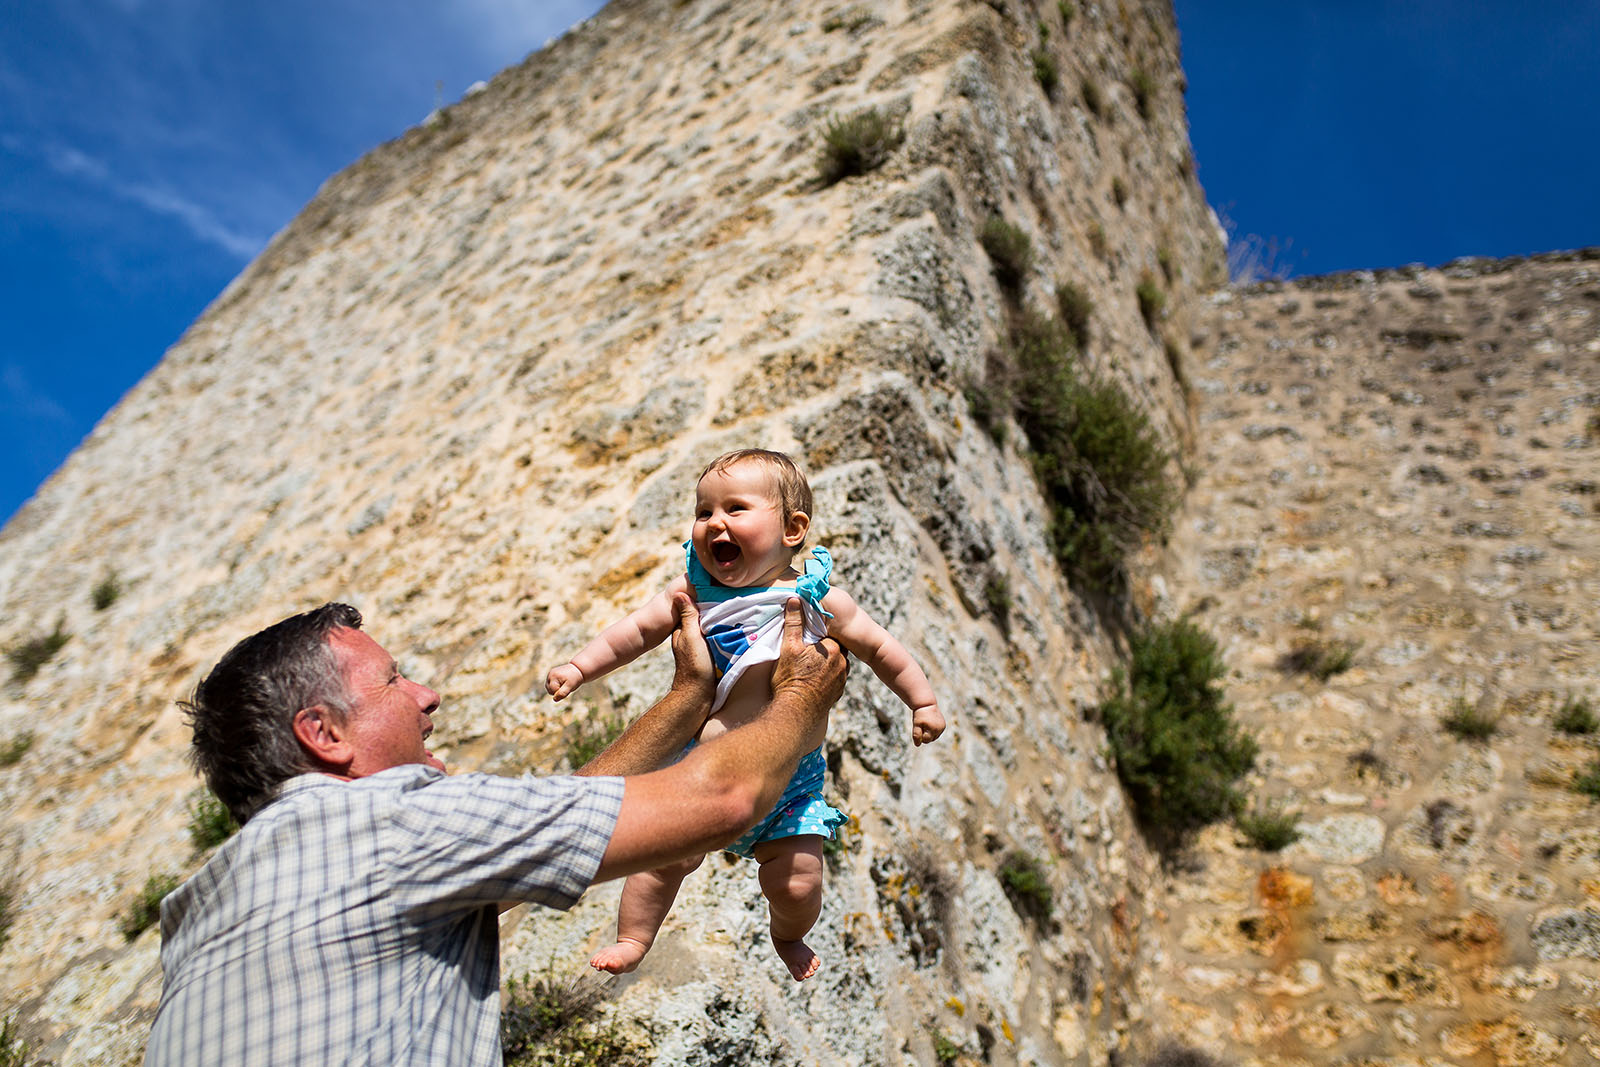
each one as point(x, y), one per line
point(795, 530)
point(323, 736)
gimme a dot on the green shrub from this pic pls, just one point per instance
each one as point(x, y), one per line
point(1465, 721)
point(1164, 261)
point(106, 591)
point(1099, 464)
point(12, 751)
point(1098, 244)
point(1178, 751)
point(546, 1022)
point(13, 1050)
point(8, 905)
point(1076, 308)
point(1318, 658)
point(997, 592)
point(28, 657)
point(1046, 71)
point(1090, 93)
point(1269, 828)
point(1587, 781)
point(1152, 301)
point(1009, 249)
point(145, 910)
point(210, 822)
point(1067, 9)
point(857, 144)
point(1027, 887)
point(1144, 89)
point(945, 1049)
point(592, 735)
point(986, 407)
point(1576, 717)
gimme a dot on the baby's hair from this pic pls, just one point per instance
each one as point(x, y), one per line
point(794, 492)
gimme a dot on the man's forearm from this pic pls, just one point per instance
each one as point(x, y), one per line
point(653, 739)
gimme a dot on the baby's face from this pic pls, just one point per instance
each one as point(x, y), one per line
point(740, 534)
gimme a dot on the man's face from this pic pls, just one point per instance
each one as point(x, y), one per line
point(389, 720)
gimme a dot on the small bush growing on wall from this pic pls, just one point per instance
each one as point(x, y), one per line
point(857, 144)
point(1075, 308)
point(593, 735)
point(13, 1050)
point(1178, 751)
point(1465, 721)
point(12, 751)
point(1046, 71)
point(106, 591)
point(1321, 659)
point(1269, 827)
point(1023, 878)
point(1152, 301)
point(1576, 717)
point(1009, 249)
point(1587, 781)
point(210, 823)
point(1144, 89)
point(544, 1021)
point(1099, 463)
point(30, 655)
point(145, 909)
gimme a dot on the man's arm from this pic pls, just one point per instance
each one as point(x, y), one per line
point(725, 785)
point(660, 733)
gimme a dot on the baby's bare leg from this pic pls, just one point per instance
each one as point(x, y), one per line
point(646, 899)
point(791, 879)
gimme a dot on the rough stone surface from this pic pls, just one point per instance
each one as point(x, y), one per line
point(468, 390)
point(1401, 462)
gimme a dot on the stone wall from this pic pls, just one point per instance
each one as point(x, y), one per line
point(468, 390)
point(1403, 464)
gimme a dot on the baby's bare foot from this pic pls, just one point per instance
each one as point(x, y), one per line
point(620, 958)
point(798, 957)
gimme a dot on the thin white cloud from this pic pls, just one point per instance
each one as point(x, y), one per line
point(195, 217)
point(529, 23)
point(20, 399)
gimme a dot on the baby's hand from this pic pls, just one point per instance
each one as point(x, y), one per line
point(926, 724)
point(562, 681)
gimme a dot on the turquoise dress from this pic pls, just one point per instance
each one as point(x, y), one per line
point(743, 628)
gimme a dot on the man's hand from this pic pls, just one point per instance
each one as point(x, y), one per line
point(563, 681)
point(814, 673)
point(692, 671)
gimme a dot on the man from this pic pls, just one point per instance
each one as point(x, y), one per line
point(353, 919)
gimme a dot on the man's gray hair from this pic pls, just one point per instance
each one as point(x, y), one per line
point(243, 712)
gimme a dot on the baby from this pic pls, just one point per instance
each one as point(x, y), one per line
point(752, 514)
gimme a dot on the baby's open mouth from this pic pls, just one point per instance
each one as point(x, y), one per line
point(724, 551)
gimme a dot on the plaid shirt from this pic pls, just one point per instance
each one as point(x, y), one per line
point(356, 922)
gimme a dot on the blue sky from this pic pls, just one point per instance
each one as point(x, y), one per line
point(1360, 133)
point(150, 148)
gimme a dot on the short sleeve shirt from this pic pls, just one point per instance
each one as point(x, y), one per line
point(357, 922)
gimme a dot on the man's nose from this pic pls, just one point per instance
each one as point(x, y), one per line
point(426, 697)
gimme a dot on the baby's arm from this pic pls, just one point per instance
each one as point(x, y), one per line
point(859, 633)
point(620, 643)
